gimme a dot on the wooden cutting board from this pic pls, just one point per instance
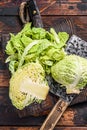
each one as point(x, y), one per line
point(52, 16)
point(43, 108)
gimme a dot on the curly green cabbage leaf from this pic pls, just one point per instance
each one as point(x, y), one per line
point(32, 44)
point(28, 85)
point(71, 72)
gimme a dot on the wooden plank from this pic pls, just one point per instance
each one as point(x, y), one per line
point(8, 11)
point(10, 7)
point(73, 116)
point(50, 7)
point(8, 113)
point(10, 24)
point(61, 1)
point(65, 9)
point(37, 128)
point(4, 73)
point(4, 78)
point(70, 24)
point(10, 3)
point(83, 1)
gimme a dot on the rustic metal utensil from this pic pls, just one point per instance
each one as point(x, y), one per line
point(61, 105)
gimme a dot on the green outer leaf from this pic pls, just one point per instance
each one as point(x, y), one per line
point(26, 52)
point(71, 72)
point(56, 38)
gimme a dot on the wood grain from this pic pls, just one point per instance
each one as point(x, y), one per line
point(4, 78)
point(63, 7)
point(75, 9)
point(55, 115)
point(73, 116)
point(71, 24)
point(49, 7)
point(67, 23)
point(63, 15)
point(37, 128)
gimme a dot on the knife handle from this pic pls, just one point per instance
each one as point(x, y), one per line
point(55, 115)
point(34, 13)
point(37, 21)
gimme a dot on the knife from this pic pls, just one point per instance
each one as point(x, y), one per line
point(61, 105)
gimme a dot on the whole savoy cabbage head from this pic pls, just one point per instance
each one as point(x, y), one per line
point(71, 72)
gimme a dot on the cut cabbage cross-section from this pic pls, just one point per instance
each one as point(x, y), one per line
point(27, 85)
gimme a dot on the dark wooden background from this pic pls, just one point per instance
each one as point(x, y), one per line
point(63, 15)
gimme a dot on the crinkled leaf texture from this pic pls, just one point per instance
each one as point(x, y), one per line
point(28, 85)
point(33, 43)
point(71, 72)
